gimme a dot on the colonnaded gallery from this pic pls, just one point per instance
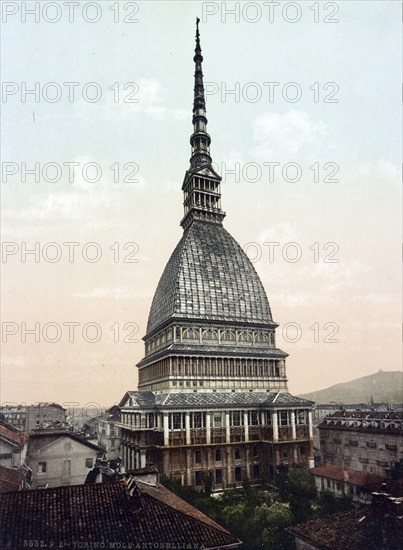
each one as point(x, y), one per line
point(212, 398)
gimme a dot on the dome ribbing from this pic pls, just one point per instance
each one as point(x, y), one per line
point(209, 277)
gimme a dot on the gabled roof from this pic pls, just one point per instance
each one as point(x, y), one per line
point(13, 434)
point(347, 475)
point(108, 513)
point(206, 171)
point(144, 399)
point(357, 529)
point(42, 438)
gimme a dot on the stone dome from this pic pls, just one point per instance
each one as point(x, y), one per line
point(209, 277)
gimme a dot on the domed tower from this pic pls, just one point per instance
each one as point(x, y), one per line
point(210, 326)
point(212, 385)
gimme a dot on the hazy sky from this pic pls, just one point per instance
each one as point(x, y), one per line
point(114, 86)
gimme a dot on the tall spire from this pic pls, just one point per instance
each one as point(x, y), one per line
point(201, 186)
point(200, 140)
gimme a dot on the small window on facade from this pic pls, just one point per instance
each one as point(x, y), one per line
point(218, 455)
point(283, 418)
point(236, 418)
point(198, 478)
point(41, 467)
point(237, 453)
point(197, 420)
point(198, 457)
point(255, 450)
point(218, 475)
point(67, 468)
point(88, 462)
point(254, 421)
point(176, 421)
point(301, 417)
point(256, 472)
point(217, 420)
point(238, 473)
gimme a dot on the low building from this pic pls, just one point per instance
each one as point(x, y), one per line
point(109, 433)
point(13, 446)
point(60, 458)
point(378, 526)
point(340, 481)
point(32, 417)
point(118, 514)
point(90, 428)
point(367, 441)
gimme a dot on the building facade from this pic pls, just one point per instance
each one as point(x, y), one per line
point(32, 417)
point(355, 484)
point(367, 441)
point(60, 458)
point(13, 446)
point(212, 396)
point(13, 458)
point(109, 433)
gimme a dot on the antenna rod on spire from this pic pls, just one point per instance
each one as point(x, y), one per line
point(200, 140)
point(201, 186)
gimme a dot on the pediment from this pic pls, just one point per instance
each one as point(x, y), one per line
point(205, 171)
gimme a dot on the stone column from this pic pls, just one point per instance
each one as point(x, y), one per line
point(274, 421)
point(245, 425)
point(311, 461)
point(310, 424)
point(124, 455)
point(142, 458)
point(208, 428)
point(229, 467)
point(187, 427)
point(262, 418)
point(227, 428)
point(248, 462)
point(293, 426)
point(166, 429)
point(166, 462)
point(188, 467)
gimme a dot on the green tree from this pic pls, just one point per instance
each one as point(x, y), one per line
point(207, 480)
point(297, 487)
point(328, 504)
point(270, 523)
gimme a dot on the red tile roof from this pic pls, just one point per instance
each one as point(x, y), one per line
point(348, 475)
point(13, 434)
point(107, 513)
point(358, 529)
point(10, 479)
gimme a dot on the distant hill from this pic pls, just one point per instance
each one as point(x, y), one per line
point(382, 387)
